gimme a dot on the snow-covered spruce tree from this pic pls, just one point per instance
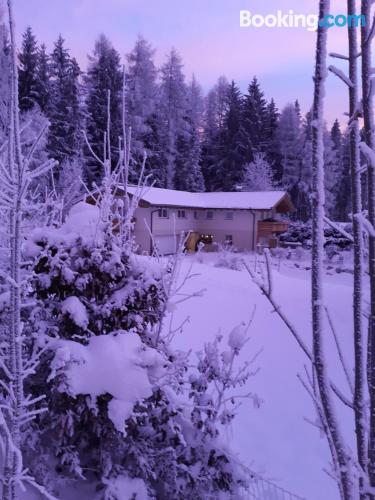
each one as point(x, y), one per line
point(232, 144)
point(332, 169)
point(216, 104)
point(28, 81)
point(271, 146)
point(340, 452)
point(103, 75)
point(123, 417)
point(64, 111)
point(42, 77)
point(141, 104)
point(288, 136)
point(254, 116)
point(121, 405)
point(188, 175)
point(173, 103)
point(258, 175)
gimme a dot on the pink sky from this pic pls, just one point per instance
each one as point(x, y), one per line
point(207, 35)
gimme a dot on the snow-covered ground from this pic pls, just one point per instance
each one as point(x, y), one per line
point(275, 439)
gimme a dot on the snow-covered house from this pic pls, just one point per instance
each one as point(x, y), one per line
point(241, 219)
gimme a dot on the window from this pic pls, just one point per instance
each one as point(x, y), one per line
point(209, 215)
point(229, 239)
point(228, 216)
point(196, 214)
point(181, 214)
point(163, 213)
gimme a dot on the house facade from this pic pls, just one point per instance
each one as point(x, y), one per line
point(241, 219)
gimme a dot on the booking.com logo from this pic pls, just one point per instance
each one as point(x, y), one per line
point(293, 20)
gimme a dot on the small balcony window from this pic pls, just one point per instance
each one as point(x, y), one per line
point(228, 215)
point(163, 213)
point(209, 215)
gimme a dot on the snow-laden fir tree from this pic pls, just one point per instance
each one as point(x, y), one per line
point(64, 114)
point(173, 103)
point(102, 305)
point(216, 104)
point(231, 158)
point(258, 175)
point(343, 199)
point(271, 145)
point(43, 78)
point(188, 175)
point(333, 172)
point(103, 74)
point(289, 139)
point(141, 95)
point(254, 115)
point(28, 80)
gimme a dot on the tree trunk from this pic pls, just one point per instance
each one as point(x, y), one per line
point(368, 116)
point(13, 467)
point(344, 475)
point(359, 337)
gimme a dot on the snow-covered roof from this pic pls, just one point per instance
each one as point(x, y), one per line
point(257, 200)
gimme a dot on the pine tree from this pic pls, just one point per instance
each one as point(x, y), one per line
point(289, 140)
point(331, 175)
point(258, 175)
point(215, 112)
point(254, 119)
point(104, 74)
point(141, 100)
point(298, 110)
point(343, 200)
point(232, 147)
point(42, 79)
point(188, 174)
point(27, 74)
point(173, 102)
point(302, 191)
point(64, 108)
point(333, 170)
point(271, 147)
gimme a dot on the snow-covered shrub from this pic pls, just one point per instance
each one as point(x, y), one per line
point(228, 258)
point(300, 232)
point(121, 407)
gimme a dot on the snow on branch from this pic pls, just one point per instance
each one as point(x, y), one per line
point(340, 74)
point(366, 224)
point(338, 228)
point(335, 55)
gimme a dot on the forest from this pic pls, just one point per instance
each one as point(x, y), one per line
point(212, 375)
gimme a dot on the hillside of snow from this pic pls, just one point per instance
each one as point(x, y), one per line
point(276, 439)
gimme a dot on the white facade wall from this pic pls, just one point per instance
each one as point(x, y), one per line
point(242, 229)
